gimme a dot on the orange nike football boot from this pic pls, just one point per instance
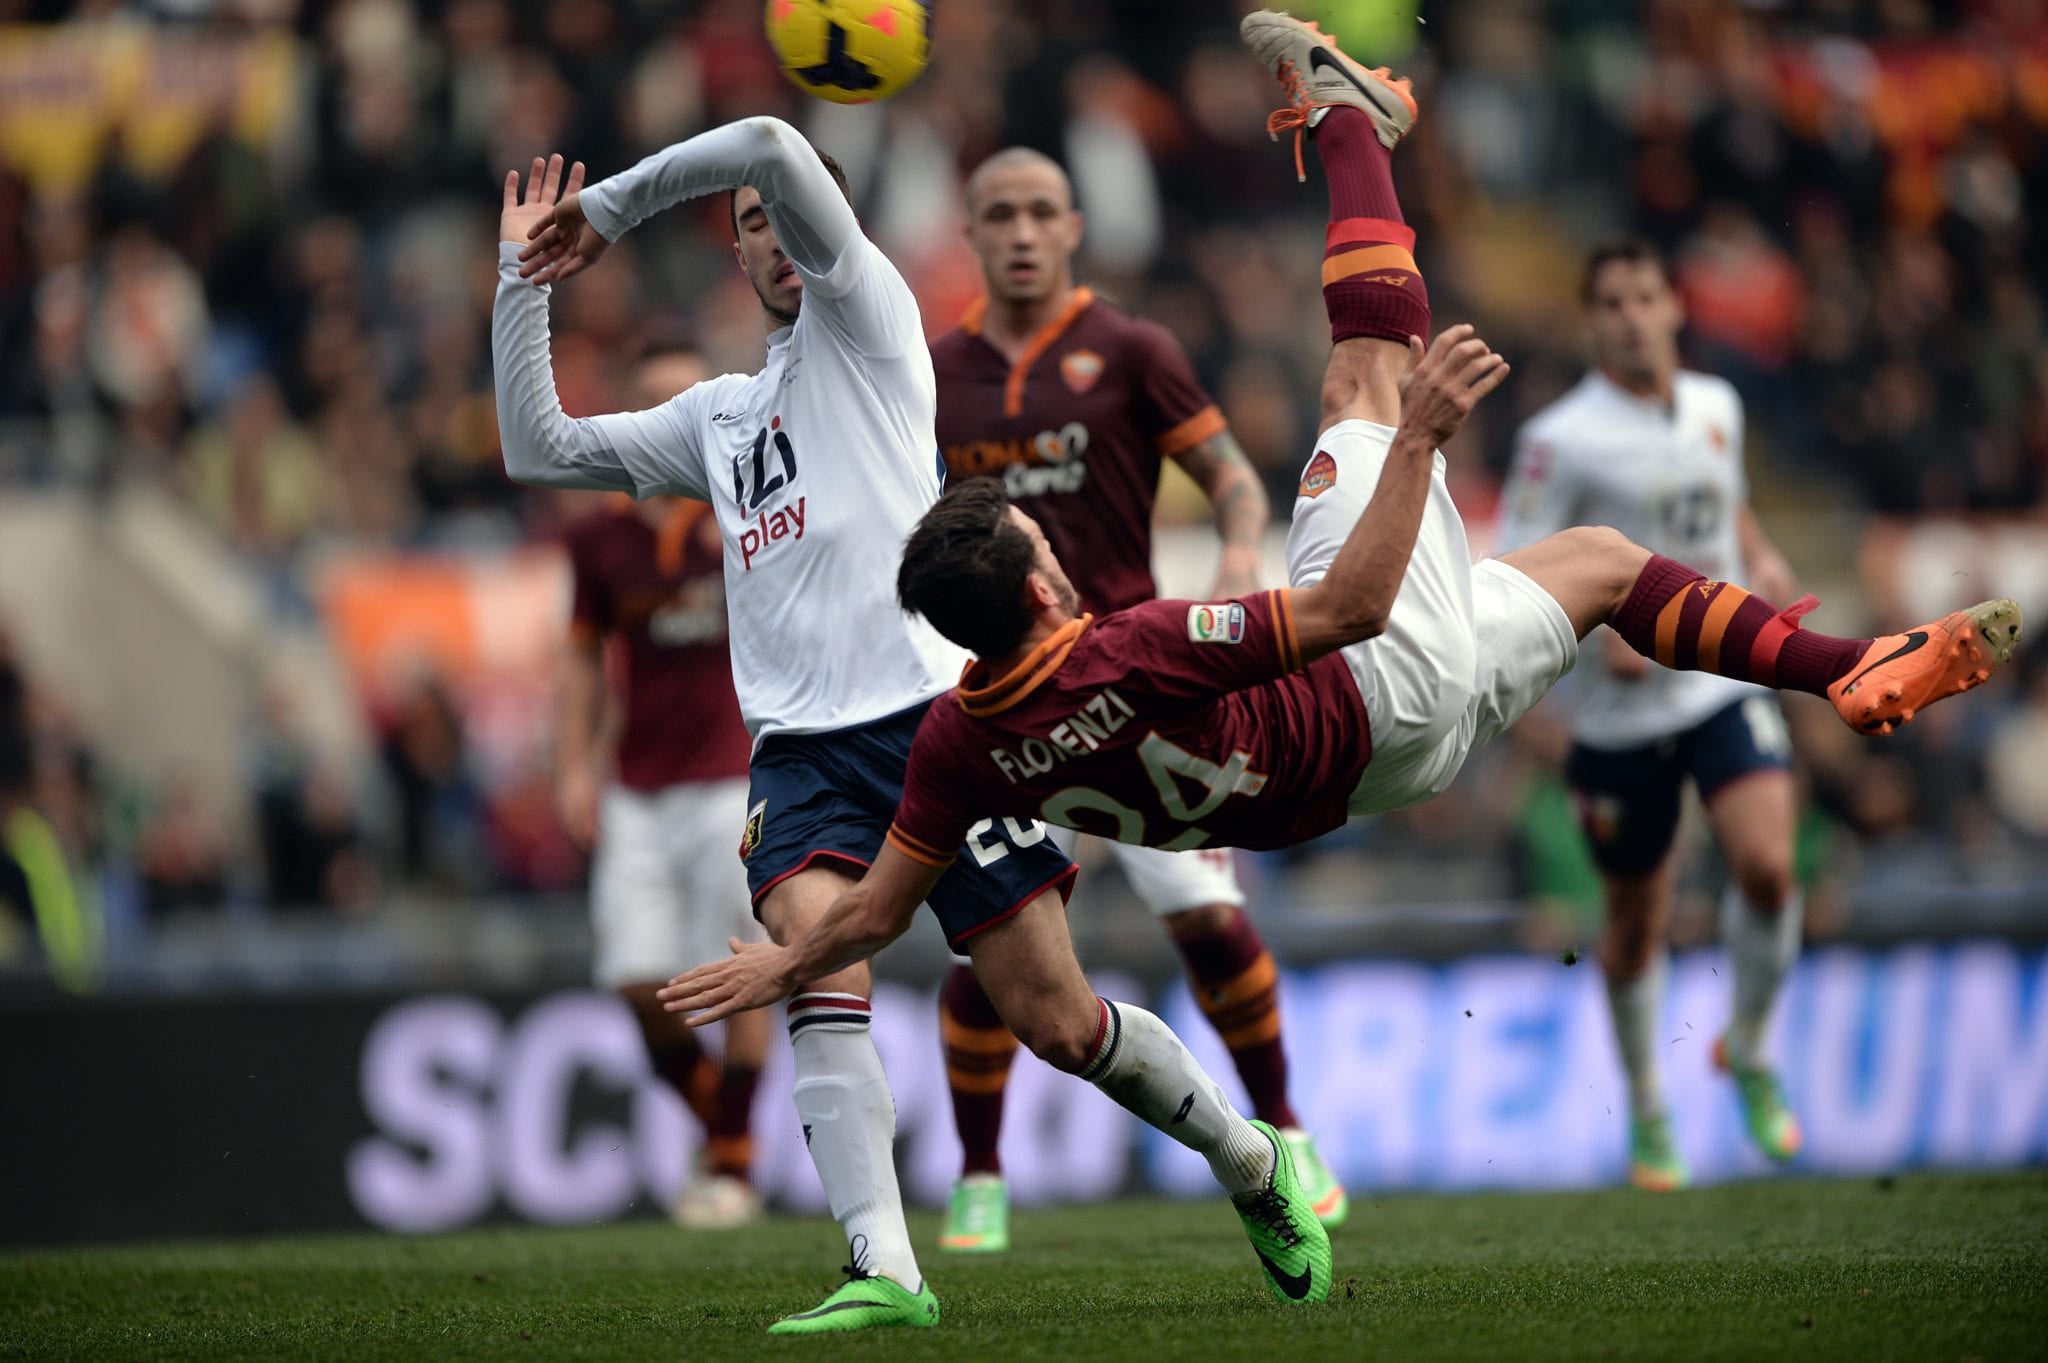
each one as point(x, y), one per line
point(1316, 74)
point(1903, 674)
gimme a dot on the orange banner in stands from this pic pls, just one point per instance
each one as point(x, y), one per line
point(464, 618)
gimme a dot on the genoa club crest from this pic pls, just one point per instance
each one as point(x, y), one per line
point(1320, 475)
point(1080, 369)
point(750, 838)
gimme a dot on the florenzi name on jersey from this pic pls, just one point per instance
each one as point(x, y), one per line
point(1077, 735)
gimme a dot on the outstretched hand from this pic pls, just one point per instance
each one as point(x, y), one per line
point(752, 977)
point(547, 222)
point(1446, 381)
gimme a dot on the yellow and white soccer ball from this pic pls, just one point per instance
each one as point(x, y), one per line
point(850, 51)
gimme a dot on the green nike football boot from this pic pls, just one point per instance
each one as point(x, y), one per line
point(977, 1216)
point(1772, 1123)
point(1325, 1194)
point(1292, 1245)
point(868, 1301)
point(1654, 1164)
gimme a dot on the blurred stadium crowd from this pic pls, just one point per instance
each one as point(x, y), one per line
point(244, 258)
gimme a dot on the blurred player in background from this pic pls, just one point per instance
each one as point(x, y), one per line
point(1074, 404)
point(1656, 452)
point(659, 793)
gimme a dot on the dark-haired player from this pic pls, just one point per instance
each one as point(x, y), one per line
point(1075, 405)
point(1656, 452)
point(657, 800)
point(1264, 721)
point(817, 468)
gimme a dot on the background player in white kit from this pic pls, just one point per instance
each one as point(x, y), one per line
point(1655, 451)
point(817, 467)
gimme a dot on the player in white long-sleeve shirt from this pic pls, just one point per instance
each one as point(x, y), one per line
point(1655, 451)
point(818, 467)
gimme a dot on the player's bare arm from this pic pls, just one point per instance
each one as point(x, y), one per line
point(1219, 467)
point(874, 912)
point(1439, 391)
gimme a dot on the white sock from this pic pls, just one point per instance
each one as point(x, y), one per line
point(1138, 1061)
point(1638, 1007)
point(849, 1120)
point(1761, 947)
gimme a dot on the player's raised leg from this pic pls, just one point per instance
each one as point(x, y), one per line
point(1027, 963)
point(1421, 665)
point(1375, 295)
point(849, 1122)
point(979, 1050)
point(1676, 616)
point(1761, 916)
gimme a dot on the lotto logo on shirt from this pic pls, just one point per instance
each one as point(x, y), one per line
point(1221, 624)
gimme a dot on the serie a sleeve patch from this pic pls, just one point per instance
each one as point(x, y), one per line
point(1218, 624)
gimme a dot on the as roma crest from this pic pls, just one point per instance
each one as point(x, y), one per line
point(1080, 369)
point(1320, 475)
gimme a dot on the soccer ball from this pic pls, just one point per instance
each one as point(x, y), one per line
point(850, 51)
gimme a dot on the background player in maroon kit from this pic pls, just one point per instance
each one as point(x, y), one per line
point(657, 783)
point(1076, 405)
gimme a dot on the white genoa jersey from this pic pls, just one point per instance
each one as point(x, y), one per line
point(1671, 479)
point(818, 468)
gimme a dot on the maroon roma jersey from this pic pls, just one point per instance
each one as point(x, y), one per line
point(1175, 723)
point(1076, 430)
point(658, 596)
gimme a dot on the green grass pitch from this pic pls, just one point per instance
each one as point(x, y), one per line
point(1922, 1268)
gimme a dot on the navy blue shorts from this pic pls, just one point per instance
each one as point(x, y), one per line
point(831, 798)
point(1628, 798)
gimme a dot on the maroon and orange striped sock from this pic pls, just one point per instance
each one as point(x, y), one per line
point(1676, 617)
point(729, 1134)
point(1237, 986)
point(979, 1049)
point(684, 1066)
point(1371, 285)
